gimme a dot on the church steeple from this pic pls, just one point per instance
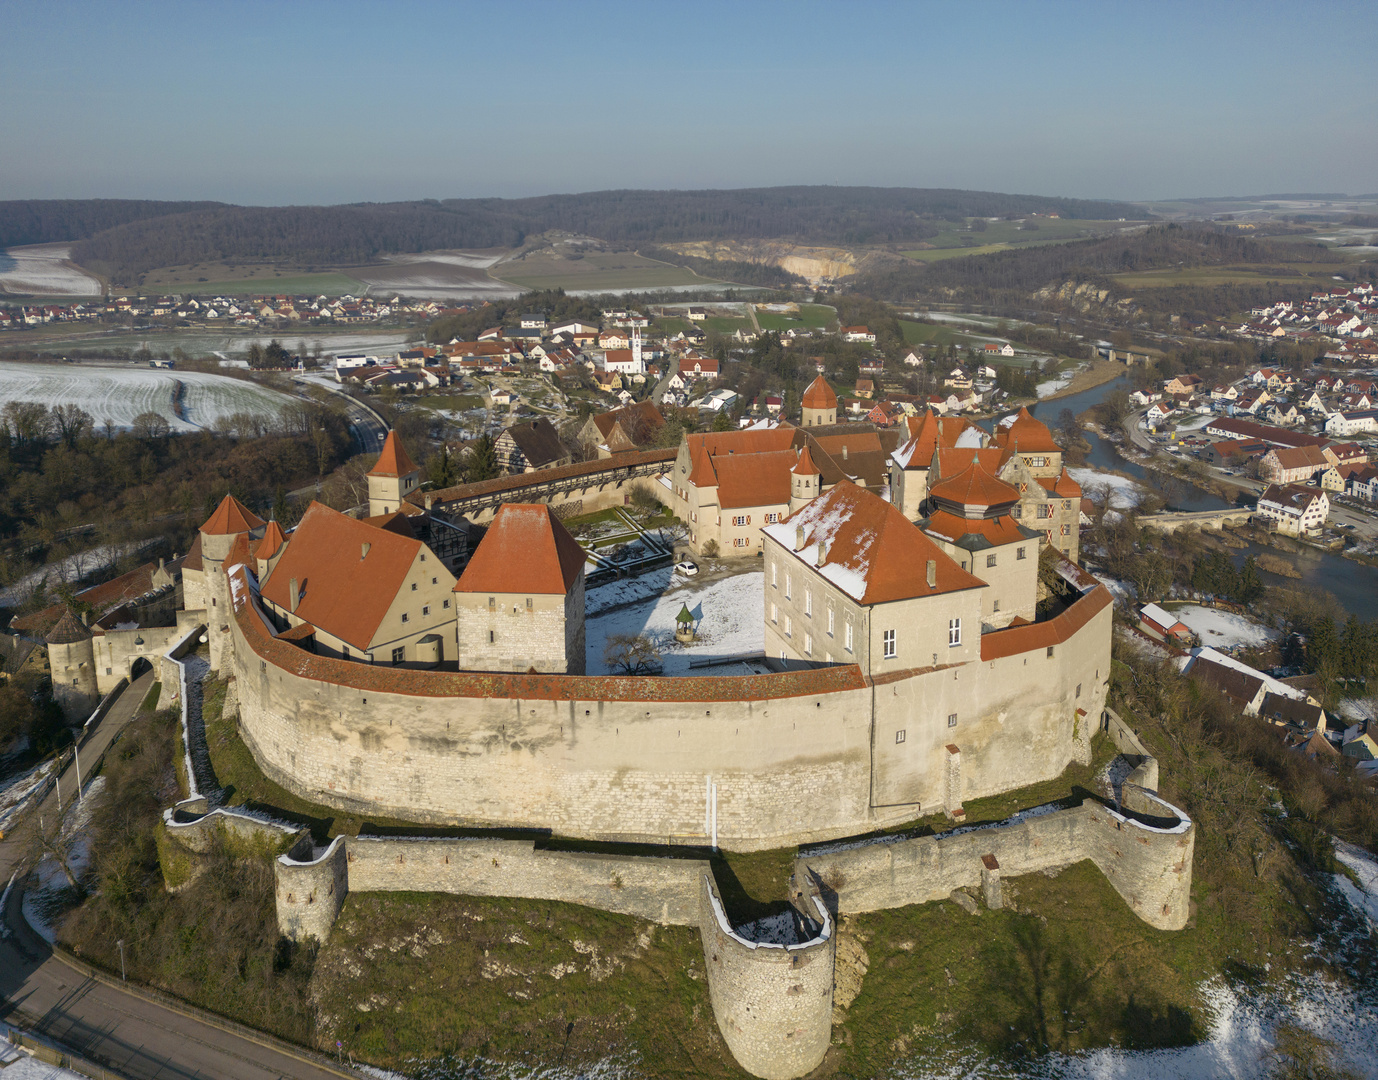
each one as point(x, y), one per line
point(392, 479)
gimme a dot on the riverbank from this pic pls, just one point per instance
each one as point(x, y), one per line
point(1097, 373)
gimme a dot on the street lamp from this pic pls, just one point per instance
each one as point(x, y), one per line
point(120, 943)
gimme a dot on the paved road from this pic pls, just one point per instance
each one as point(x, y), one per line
point(136, 1037)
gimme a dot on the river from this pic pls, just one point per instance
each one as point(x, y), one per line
point(1354, 584)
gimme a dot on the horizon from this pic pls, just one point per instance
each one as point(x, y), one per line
point(316, 105)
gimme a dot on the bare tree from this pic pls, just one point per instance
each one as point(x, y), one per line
point(634, 654)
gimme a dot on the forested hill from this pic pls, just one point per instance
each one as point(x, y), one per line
point(1000, 275)
point(134, 237)
point(48, 221)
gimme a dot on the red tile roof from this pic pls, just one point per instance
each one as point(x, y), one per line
point(503, 484)
point(951, 527)
point(873, 553)
point(394, 460)
point(1039, 635)
point(1026, 435)
point(754, 479)
point(1063, 486)
point(273, 539)
point(525, 550)
point(819, 395)
point(343, 590)
point(805, 466)
point(974, 487)
point(231, 516)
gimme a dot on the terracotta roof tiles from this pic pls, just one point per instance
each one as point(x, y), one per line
point(525, 550)
point(231, 516)
point(819, 395)
point(1039, 635)
point(974, 487)
point(394, 460)
point(1027, 435)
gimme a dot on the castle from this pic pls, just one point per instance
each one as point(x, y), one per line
point(913, 667)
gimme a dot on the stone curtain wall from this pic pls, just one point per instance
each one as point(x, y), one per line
point(1146, 858)
point(639, 770)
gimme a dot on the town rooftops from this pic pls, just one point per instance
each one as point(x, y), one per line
point(640, 421)
point(67, 630)
point(348, 573)
point(1291, 496)
point(525, 550)
point(394, 460)
point(804, 466)
point(231, 516)
point(867, 548)
point(1300, 457)
point(1237, 685)
point(819, 395)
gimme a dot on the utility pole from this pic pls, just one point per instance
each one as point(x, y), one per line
point(76, 749)
point(120, 943)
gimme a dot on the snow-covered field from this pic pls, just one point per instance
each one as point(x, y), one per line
point(1224, 629)
point(1052, 386)
point(119, 394)
point(731, 610)
point(1118, 492)
point(44, 270)
point(18, 791)
point(1364, 896)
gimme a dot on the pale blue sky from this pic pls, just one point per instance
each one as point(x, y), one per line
point(317, 103)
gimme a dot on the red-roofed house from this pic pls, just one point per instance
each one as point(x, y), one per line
point(352, 590)
point(850, 580)
point(521, 597)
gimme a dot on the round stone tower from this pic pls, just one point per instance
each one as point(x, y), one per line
point(805, 481)
point(820, 404)
point(72, 657)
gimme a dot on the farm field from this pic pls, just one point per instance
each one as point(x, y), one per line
point(230, 279)
point(917, 333)
point(44, 270)
point(815, 316)
point(437, 274)
point(607, 271)
point(1001, 235)
point(221, 343)
point(116, 395)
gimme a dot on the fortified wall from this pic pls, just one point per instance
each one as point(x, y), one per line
point(772, 1001)
point(697, 760)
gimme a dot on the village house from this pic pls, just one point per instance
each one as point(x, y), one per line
point(629, 428)
point(1294, 465)
point(530, 446)
point(1293, 510)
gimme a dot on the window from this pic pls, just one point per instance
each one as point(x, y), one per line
point(952, 719)
point(406, 617)
point(425, 610)
point(399, 654)
point(528, 603)
point(109, 671)
point(740, 519)
point(492, 603)
point(831, 613)
point(413, 586)
point(1016, 511)
point(433, 581)
point(741, 541)
point(1067, 530)
point(808, 644)
point(1044, 510)
point(899, 736)
point(775, 575)
point(889, 637)
point(1021, 553)
point(446, 604)
point(771, 519)
point(808, 602)
point(849, 635)
point(789, 585)
point(774, 613)
point(1050, 652)
point(1078, 687)
point(997, 606)
point(789, 626)
point(954, 632)
point(1038, 462)
point(492, 636)
point(423, 558)
point(990, 560)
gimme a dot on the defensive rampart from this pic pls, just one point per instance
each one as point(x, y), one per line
point(677, 760)
point(1145, 853)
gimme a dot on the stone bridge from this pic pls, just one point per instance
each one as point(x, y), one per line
point(1202, 519)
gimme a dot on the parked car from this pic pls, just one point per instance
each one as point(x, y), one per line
point(687, 568)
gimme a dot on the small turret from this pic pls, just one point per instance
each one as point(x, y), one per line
point(392, 479)
point(805, 481)
point(819, 404)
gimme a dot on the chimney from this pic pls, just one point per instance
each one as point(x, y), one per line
point(363, 554)
point(932, 573)
point(430, 500)
point(822, 552)
point(293, 595)
point(160, 564)
point(844, 451)
point(799, 538)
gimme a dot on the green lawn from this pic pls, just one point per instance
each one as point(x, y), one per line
point(956, 241)
point(942, 334)
point(814, 316)
point(606, 270)
point(725, 324)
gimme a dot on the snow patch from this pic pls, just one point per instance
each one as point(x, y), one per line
point(1224, 628)
point(1117, 492)
point(1364, 896)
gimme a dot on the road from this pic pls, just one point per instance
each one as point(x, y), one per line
point(136, 1037)
point(368, 430)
